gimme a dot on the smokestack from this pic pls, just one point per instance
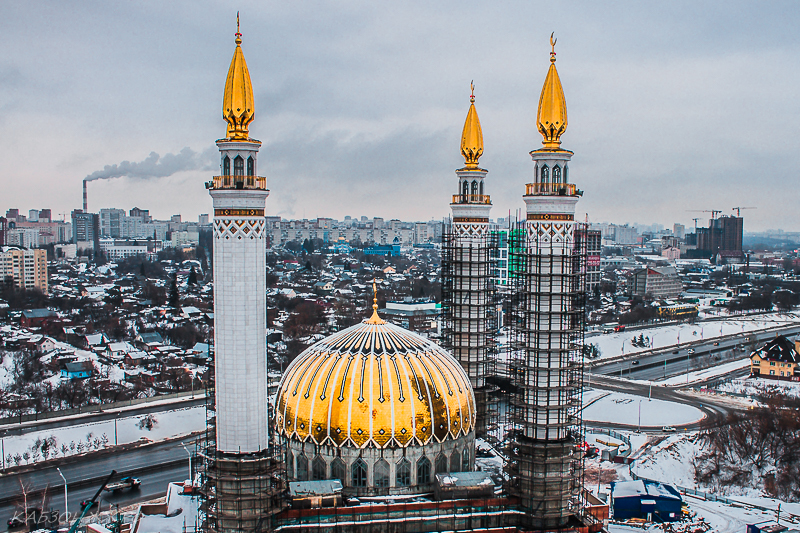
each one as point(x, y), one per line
point(85, 198)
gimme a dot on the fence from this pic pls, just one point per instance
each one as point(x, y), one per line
point(97, 408)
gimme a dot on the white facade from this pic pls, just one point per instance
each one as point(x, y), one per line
point(240, 312)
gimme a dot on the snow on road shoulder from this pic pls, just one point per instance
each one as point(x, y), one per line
point(615, 344)
point(699, 376)
point(96, 435)
point(620, 408)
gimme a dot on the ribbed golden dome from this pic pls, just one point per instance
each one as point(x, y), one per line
point(551, 117)
point(472, 136)
point(374, 384)
point(238, 107)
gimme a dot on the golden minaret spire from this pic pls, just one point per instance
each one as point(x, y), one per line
point(238, 107)
point(551, 118)
point(375, 319)
point(472, 135)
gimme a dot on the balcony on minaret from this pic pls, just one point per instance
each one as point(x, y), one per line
point(238, 182)
point(483, 199)
point(552, 189)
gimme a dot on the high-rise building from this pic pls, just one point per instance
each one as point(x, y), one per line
point(239, 480)
point(27, 269)
point(544, 464)
point(112, 222)
point(86, 230)
point(3, 228)
point(723, 237)
point(467, 287)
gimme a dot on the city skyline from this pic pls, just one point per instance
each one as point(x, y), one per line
point(366, 119)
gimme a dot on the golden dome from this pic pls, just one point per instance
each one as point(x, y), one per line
point(472, 135)
point(238, 107)
point(374, 384)
point(552, 115)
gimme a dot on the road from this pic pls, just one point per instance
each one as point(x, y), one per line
point(671, 362)
point(715, 411)
point(155, 464)
point(154, 485)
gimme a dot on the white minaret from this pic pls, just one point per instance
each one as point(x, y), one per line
point(240, 275)
point(547, 302)
point(466, 269)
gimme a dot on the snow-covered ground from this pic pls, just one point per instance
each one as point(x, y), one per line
point(699, 376)
point(635, 410)
point(97, 435)
point(615, 344)
point(758, 387)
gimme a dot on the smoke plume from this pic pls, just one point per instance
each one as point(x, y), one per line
point(155, 166)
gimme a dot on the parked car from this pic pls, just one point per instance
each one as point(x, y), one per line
point(668, 429)
point(635, 362)
point(690, 351)
point(716, 343)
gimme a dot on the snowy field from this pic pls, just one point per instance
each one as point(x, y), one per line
point(759, 387)
point(97, 435)
point(615, 344)
point(619, 408)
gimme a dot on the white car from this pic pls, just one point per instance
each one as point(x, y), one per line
point(668, 429)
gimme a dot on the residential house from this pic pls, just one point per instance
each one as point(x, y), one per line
point(34, 318)
point(77, 370)
point(778, 359)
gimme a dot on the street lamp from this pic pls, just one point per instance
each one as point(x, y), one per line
point(190, 462)
point(66, 505)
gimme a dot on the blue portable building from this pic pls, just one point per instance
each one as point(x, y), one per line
point(645, 499)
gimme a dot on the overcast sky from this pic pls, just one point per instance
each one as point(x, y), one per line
point(672, 106)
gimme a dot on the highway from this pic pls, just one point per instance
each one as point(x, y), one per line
point(662, 363)
point(156, 465)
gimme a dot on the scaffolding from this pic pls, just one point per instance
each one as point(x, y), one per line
point(469, 313)
point(240, 492)
point(547, 319)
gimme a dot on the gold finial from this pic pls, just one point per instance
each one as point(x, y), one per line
point(375, 319)
point(238, 33)
point(472, 135)
point(237, 102)
point(551, 117)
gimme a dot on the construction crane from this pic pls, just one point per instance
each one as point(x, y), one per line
point(695, 224)
point(714, 212)
point(90, 503)
point(737, 209)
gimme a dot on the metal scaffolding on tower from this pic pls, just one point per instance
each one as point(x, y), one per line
point(547, 318)
point(239, 492)
point(469, 316)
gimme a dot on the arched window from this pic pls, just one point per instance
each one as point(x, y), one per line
point(226, 166)
point(319, 470)
point(545, 174)
point(441, 464)
point(455, 462)
point(302, 468)
point(338, 469)
point(358, 472)
point(381, 474)
point(566, 174)
point(403, 475)
point(556, 174)
point(290, 464)
point(423, 471)
point(465, 460)
point(465, 188)
point(238, 166)
point(474, 187)
point(251, 166)
point(481, 188)
point(536, 172)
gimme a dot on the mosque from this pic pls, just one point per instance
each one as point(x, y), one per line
point(378, 411)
